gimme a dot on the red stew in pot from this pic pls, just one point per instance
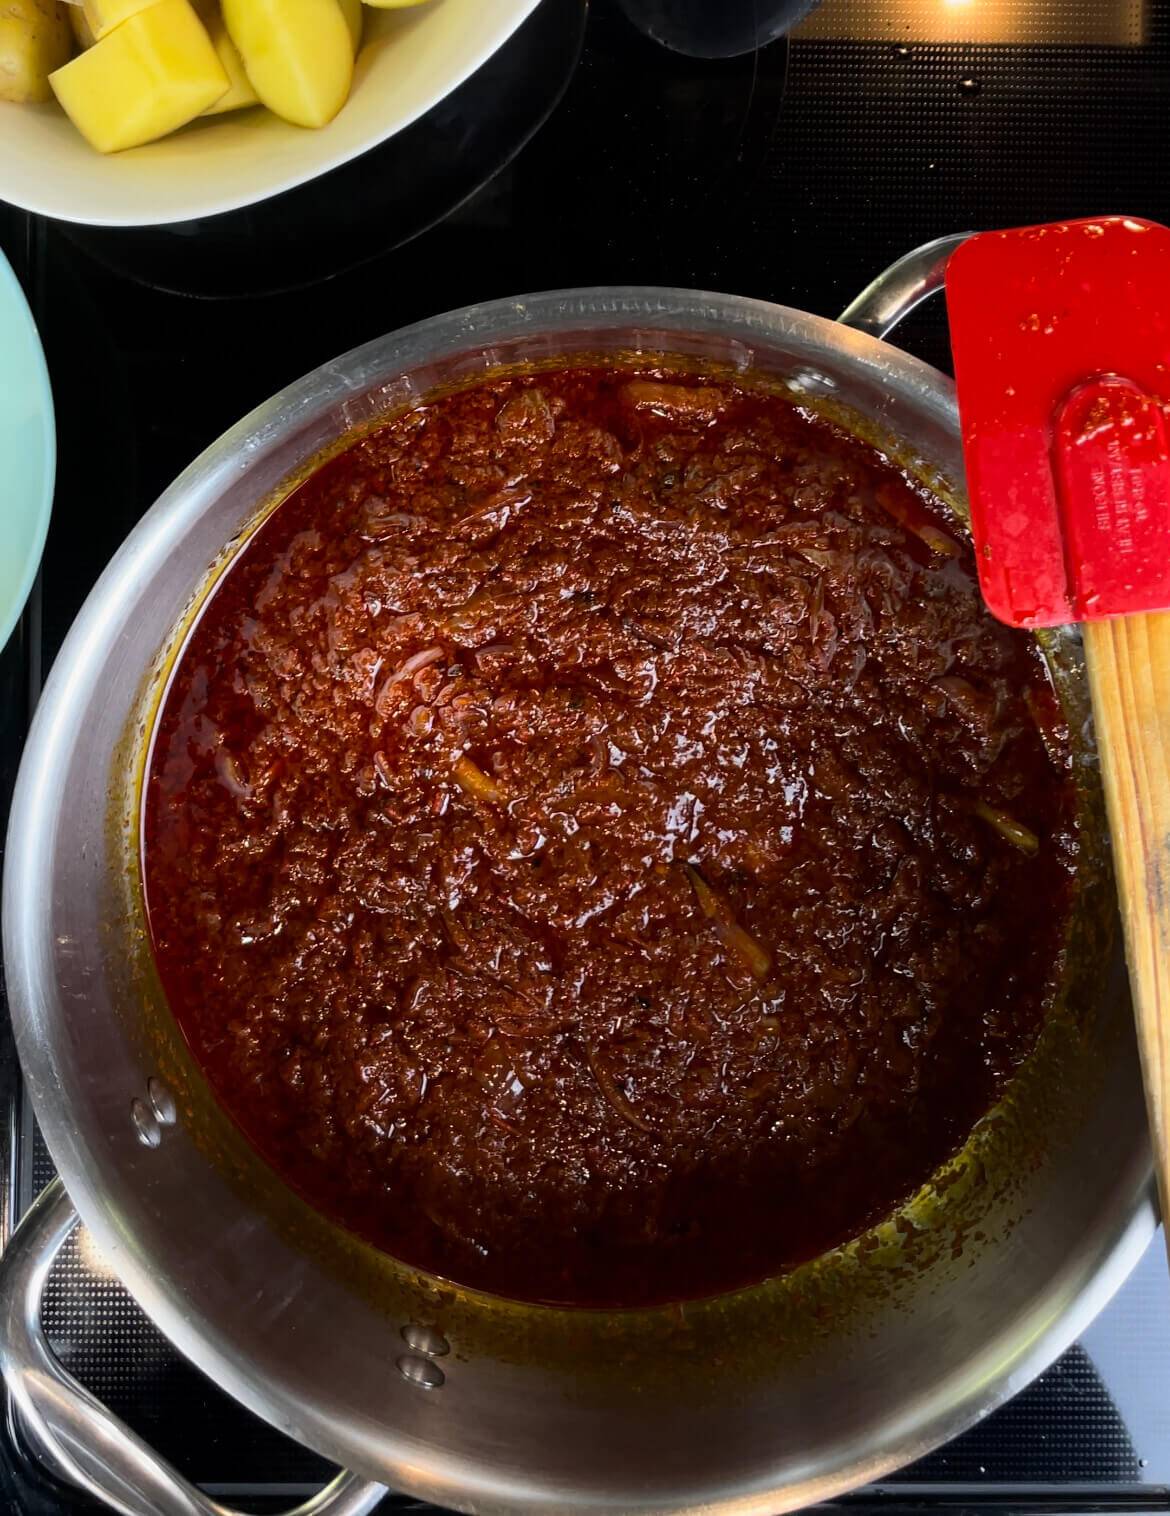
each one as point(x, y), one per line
point(596, 842)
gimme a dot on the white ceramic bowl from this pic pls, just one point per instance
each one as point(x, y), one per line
point(409, 60)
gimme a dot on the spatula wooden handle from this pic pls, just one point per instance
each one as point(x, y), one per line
point(1129, 678)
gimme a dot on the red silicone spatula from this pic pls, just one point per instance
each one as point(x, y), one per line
point(1061, 342)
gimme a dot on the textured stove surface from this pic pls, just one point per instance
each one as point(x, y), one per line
point(795, 175)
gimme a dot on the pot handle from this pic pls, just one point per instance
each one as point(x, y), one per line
point(79, 1436)
point(894, 294)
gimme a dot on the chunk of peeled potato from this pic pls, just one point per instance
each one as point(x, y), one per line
point(82, 31)
point(102, 16)
point(154, 72)
point(35, 39)
point(239, 92)
point(298, 55)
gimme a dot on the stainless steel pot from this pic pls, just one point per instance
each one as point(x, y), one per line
point(760, 1401)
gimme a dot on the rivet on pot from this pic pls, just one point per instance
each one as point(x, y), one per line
point(145, 1123)
point(424, 1339)
point(421, 1371)
point(162, 1102)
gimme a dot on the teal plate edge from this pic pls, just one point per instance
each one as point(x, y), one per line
point(28, 446)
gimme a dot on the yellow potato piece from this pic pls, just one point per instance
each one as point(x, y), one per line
point(102, 16)
point(354, 18)
point(82, 31)
point(240, 92)
point(34, 40)
point(298, 55)
point(145, 78)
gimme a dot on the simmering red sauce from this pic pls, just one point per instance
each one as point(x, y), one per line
point(597, 844)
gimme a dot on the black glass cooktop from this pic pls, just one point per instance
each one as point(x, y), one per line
point(586, 153)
